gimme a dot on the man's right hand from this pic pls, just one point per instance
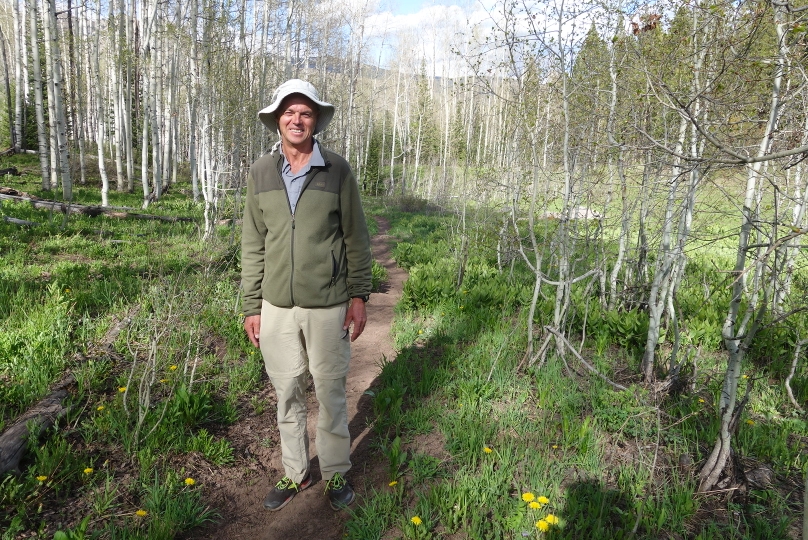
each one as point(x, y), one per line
point(252, 325)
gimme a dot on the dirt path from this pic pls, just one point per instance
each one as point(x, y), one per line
point(238, 491)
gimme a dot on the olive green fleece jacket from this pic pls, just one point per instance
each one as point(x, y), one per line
point(318, 257)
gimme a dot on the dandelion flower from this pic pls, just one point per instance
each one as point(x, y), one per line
point(172, 367)
point(122, 389)
point(555, 447)
point(551, 519)
point(542, 525)
point(420, 332)
point(745, 377)
point(543, 500)
point(487, 450)
point(67, 290)
point(461, 307)
point(141, 513)
point(163, 381)
point(41, 478)
point(750, 422)
point(393, 483)
point(416, 520)
point(240, 314)
point(527, 497)
point(88, 470)
point(99, 408)
point(534, 505)
point(701, 400)
point(190, 481)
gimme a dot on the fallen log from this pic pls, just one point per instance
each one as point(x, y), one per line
point(43, 415)
point(23, 222)
point(12, 194)
point(34, 422)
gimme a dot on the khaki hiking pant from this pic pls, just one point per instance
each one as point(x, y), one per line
point(292, 340)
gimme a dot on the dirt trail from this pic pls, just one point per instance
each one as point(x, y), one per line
point(238, 491)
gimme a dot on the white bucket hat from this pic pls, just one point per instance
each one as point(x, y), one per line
point(296, 86)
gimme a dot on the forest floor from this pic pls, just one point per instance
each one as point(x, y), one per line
point(237, 491)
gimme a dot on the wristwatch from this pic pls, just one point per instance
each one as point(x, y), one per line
point(364, 298)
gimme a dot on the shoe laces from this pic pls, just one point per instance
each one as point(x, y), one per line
point(287, 483)
point(336, 483)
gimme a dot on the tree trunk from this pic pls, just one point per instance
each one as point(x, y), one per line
point(41, 128)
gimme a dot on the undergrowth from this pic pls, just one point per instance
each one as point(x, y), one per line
point(540, 451)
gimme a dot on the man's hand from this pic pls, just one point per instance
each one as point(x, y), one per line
point(252, 325)
point(357, 315)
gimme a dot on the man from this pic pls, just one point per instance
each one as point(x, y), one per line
point(306, 274)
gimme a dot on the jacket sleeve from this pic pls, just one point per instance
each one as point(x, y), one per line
point(253, 238)
point(356, 238)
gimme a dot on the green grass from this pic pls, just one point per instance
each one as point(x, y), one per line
point(145, 399)
point(606, 460)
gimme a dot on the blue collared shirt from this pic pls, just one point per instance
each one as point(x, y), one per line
point(294, 181)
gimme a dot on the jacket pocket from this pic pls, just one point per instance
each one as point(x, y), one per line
point(334, 269)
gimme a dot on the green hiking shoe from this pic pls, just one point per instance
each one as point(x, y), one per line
point(283, 492)
point(339, 491)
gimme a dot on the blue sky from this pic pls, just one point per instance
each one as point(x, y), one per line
point(405, 7)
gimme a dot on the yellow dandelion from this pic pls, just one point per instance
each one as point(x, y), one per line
point(122, 389)
point(141, 513)
point(393, 483)
point(240, 314)
point(67, 290)
point(543, 500)
point(701, 400)
point(41, 478)
point(420, 332)
point(461, 307)
point(190, 481)
point(172, 367)
point(534, 505)
point(416, 520)
point(487, 450)
point(99, 408)
point(745, 377)
point(88, 470)
point(542, 525)
point(551, 519)
point(527, 497)
point(555, 447)
point(163, 381)
point(750, 422)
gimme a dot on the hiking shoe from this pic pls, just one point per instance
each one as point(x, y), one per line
point(283, 492)
point(340, 493)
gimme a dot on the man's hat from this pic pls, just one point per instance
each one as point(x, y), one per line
point(296, 86)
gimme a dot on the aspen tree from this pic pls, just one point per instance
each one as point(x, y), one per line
point(53, 144)
point(100, 108)
point(41, 128)
point(19, 47)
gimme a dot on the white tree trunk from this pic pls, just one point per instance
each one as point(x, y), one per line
point(41, 128)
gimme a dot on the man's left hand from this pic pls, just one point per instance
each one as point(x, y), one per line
point(356, 315)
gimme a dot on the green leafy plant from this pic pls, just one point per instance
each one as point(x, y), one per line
point(190, 408)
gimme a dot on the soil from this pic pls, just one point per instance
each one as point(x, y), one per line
point(237, 491)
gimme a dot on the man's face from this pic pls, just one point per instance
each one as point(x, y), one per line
point(297, 118)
